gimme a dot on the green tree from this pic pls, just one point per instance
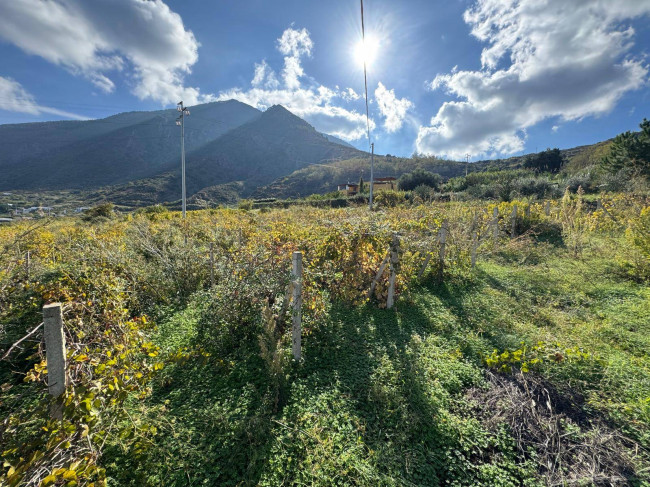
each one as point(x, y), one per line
point(550, 160)
point(630, 151)
point(361, 185)
point(411, 180)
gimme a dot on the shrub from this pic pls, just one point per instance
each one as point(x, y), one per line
point(245, 205)
point(584, 181)
point(389, 199)
point(419, 177)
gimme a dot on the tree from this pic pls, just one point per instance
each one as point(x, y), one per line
point(630, 151)
point(361, 185)
point(550, 160)
point(411, 180)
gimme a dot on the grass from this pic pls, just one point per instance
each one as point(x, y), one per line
point(389, 397)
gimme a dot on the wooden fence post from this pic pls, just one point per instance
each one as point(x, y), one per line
point(296, 275)
point(547, 208)
point(380, 272)
point(495, 227)
point(55, 355)
point(513, 229)
point(442, 239)
point(211, 264)
point(394, 260)
point(474, 240)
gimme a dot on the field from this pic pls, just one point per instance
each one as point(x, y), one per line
point(530, 368)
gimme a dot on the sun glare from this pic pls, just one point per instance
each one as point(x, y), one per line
point(366, 51)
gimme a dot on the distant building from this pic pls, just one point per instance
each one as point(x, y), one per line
point(349, 189)
point(81, 209)
point(384, 184)
point(379, 184)
point(44, 209)
point(6, 220)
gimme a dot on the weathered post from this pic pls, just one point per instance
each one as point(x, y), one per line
point(55, 355)
point(474, 240)
point(380, 273)
point(527, 211)
point(211, 264)
point(394, 260)
point(513, 229)
point(296, 276)
point(495, 227)
point(442, 239)
point(547, 208)
point(28, 263)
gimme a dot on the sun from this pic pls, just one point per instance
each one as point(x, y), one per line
point(366, 51)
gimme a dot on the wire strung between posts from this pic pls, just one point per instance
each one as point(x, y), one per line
point(365, 75)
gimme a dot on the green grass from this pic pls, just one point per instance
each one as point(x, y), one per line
point(387, 397)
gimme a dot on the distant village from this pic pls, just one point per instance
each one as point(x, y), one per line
point(11, 211)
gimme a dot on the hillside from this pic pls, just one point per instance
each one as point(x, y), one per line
point(94, 153)
point(256, 153)
point(324, 179)
point(133, 158)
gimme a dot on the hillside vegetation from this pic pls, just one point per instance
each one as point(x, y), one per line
point(529, 369)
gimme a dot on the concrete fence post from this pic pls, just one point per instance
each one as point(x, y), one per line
point(474, 240)
point(211, 264)
point(547, 208)
point(28, 264)
point(55, 355)
point(513, 229)
point(527, 211)
point(296, 277)
point(394, 260)
point(495, 227)
point(442, 239)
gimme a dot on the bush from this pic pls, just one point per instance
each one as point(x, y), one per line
point(389, 199)
point(419, 177)
point(424, 192)
point(98, 213)
point(245, 205)
point(584, 180)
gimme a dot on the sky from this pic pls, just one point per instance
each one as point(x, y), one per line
point(488, 78)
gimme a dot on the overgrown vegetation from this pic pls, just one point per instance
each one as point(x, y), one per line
point(530, 369)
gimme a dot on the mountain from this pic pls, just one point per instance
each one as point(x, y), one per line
point(254, 154)
point(336, 140)
point(114, 150)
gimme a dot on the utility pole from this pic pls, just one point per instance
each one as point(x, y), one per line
point(365, 82)
point(372, 171)
point(181, 121)
point(467, 164)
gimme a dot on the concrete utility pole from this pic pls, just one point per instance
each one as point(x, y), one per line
point(365, 82)
point(372, 171)
point(467, 164)
point(181, 121)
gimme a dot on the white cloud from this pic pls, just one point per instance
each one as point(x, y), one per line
point(307, 99)
point(393, 109)
point(16, 99)
point(544, 59)
point(95, 38)
point(350, 95)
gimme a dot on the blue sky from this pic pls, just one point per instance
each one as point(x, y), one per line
point(486, 77)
